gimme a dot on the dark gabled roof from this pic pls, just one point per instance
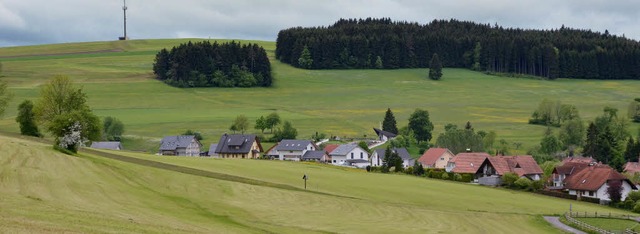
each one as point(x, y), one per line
point(112, 145)
point(212, 149)
point(593, 177)
point(236, 144)
point(432, 155)
point(174, 142)
point(569, 168)
point(402, 152)
point(343, 150)
point(297, 145)
point(314, 154)
point(384, 133)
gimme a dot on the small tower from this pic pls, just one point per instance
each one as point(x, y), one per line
point(124, 10)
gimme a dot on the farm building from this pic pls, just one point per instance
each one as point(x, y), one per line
point(110, 145)
point(180, 146)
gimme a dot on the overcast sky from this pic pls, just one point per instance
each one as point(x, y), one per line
point(27, 22)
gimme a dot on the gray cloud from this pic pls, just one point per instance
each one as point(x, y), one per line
point(56, 21)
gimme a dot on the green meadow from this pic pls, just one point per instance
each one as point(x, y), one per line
point(44, 191)
point(118, 79)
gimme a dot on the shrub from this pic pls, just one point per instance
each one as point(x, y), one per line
point(634, 196)
point(536, 185)
point(436, 174)
point(445, 176)
point(523, 183)
point(508, 179)
point(636, 208)
point(467, 178)
point(457, 177)
point(408, 171)
point(368, 168)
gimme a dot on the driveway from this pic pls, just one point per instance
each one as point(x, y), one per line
point(555, 221)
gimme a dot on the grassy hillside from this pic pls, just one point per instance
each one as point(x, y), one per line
point(45, 191)
point(118, 79)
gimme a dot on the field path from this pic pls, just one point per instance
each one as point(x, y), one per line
point(555, 221)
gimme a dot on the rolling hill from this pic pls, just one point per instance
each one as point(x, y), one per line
point(118, 80)
point(101, 191)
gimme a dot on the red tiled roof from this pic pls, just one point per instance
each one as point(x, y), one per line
point(569, 168)
point(632, 167)
point(521, 165)
point(330, 147)
point(432, 155)
point(593, 177)
point(468, 162)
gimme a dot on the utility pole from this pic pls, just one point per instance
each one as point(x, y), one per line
point(124, 9)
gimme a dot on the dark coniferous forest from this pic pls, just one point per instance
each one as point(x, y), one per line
point(382, 43)
point(203, 64)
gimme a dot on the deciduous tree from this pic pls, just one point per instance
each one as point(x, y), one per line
point(420, 125)
point(27, 119)
point(63, 111)
point(272, 120)
point(286, 132)
point(240, 124)
point(261, 124)
point(112, 129)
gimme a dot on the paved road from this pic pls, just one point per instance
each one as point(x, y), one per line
point(555, 221)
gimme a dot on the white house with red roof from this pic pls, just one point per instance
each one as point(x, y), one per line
point(594, 180)
point(493, 168)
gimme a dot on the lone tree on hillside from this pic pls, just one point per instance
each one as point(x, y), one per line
point(389, 122)
point(63, 110)
point(112, 129)
point(272, 120)
point(435, 68)
point(27, 119)
point(5, 96)
point(241, 124)
point(305, 60)
point(421, 126)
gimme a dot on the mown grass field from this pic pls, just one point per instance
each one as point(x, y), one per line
point(616, 225)
point(46, 191)
point(118, 79)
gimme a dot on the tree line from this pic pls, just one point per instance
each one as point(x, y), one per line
point(203, 64)
point(386, 44)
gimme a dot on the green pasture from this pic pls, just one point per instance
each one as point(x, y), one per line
point(118, 79)
point(616, 225)
point(46, 191)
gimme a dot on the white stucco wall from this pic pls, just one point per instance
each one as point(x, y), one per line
point(602, 191)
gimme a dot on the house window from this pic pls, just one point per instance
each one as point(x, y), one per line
point(334, 161)
point(351, 155)
point(442, 159)
point(591, 193)
point(361, 155)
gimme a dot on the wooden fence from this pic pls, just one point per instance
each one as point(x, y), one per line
point(585, 226)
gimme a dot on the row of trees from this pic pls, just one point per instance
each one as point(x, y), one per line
point(203, 64)
point(287, 131)
point(382, 43)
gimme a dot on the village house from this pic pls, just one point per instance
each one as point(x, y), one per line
point(349, 155)
point(180, 146)
point(377, 157)
point(238, 146)
point(293, 149)
point(594, 180)
point(466, 163)
point(384, 135)
point(317, 156)
point(560, 173)
point(436, 158)
point(493, 168)
point(632, 167)
point(110, 145)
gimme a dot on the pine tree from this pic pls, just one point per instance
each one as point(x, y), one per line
point(435, 68)
point(305, 60)
point(591, 144)
point(389, 122)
